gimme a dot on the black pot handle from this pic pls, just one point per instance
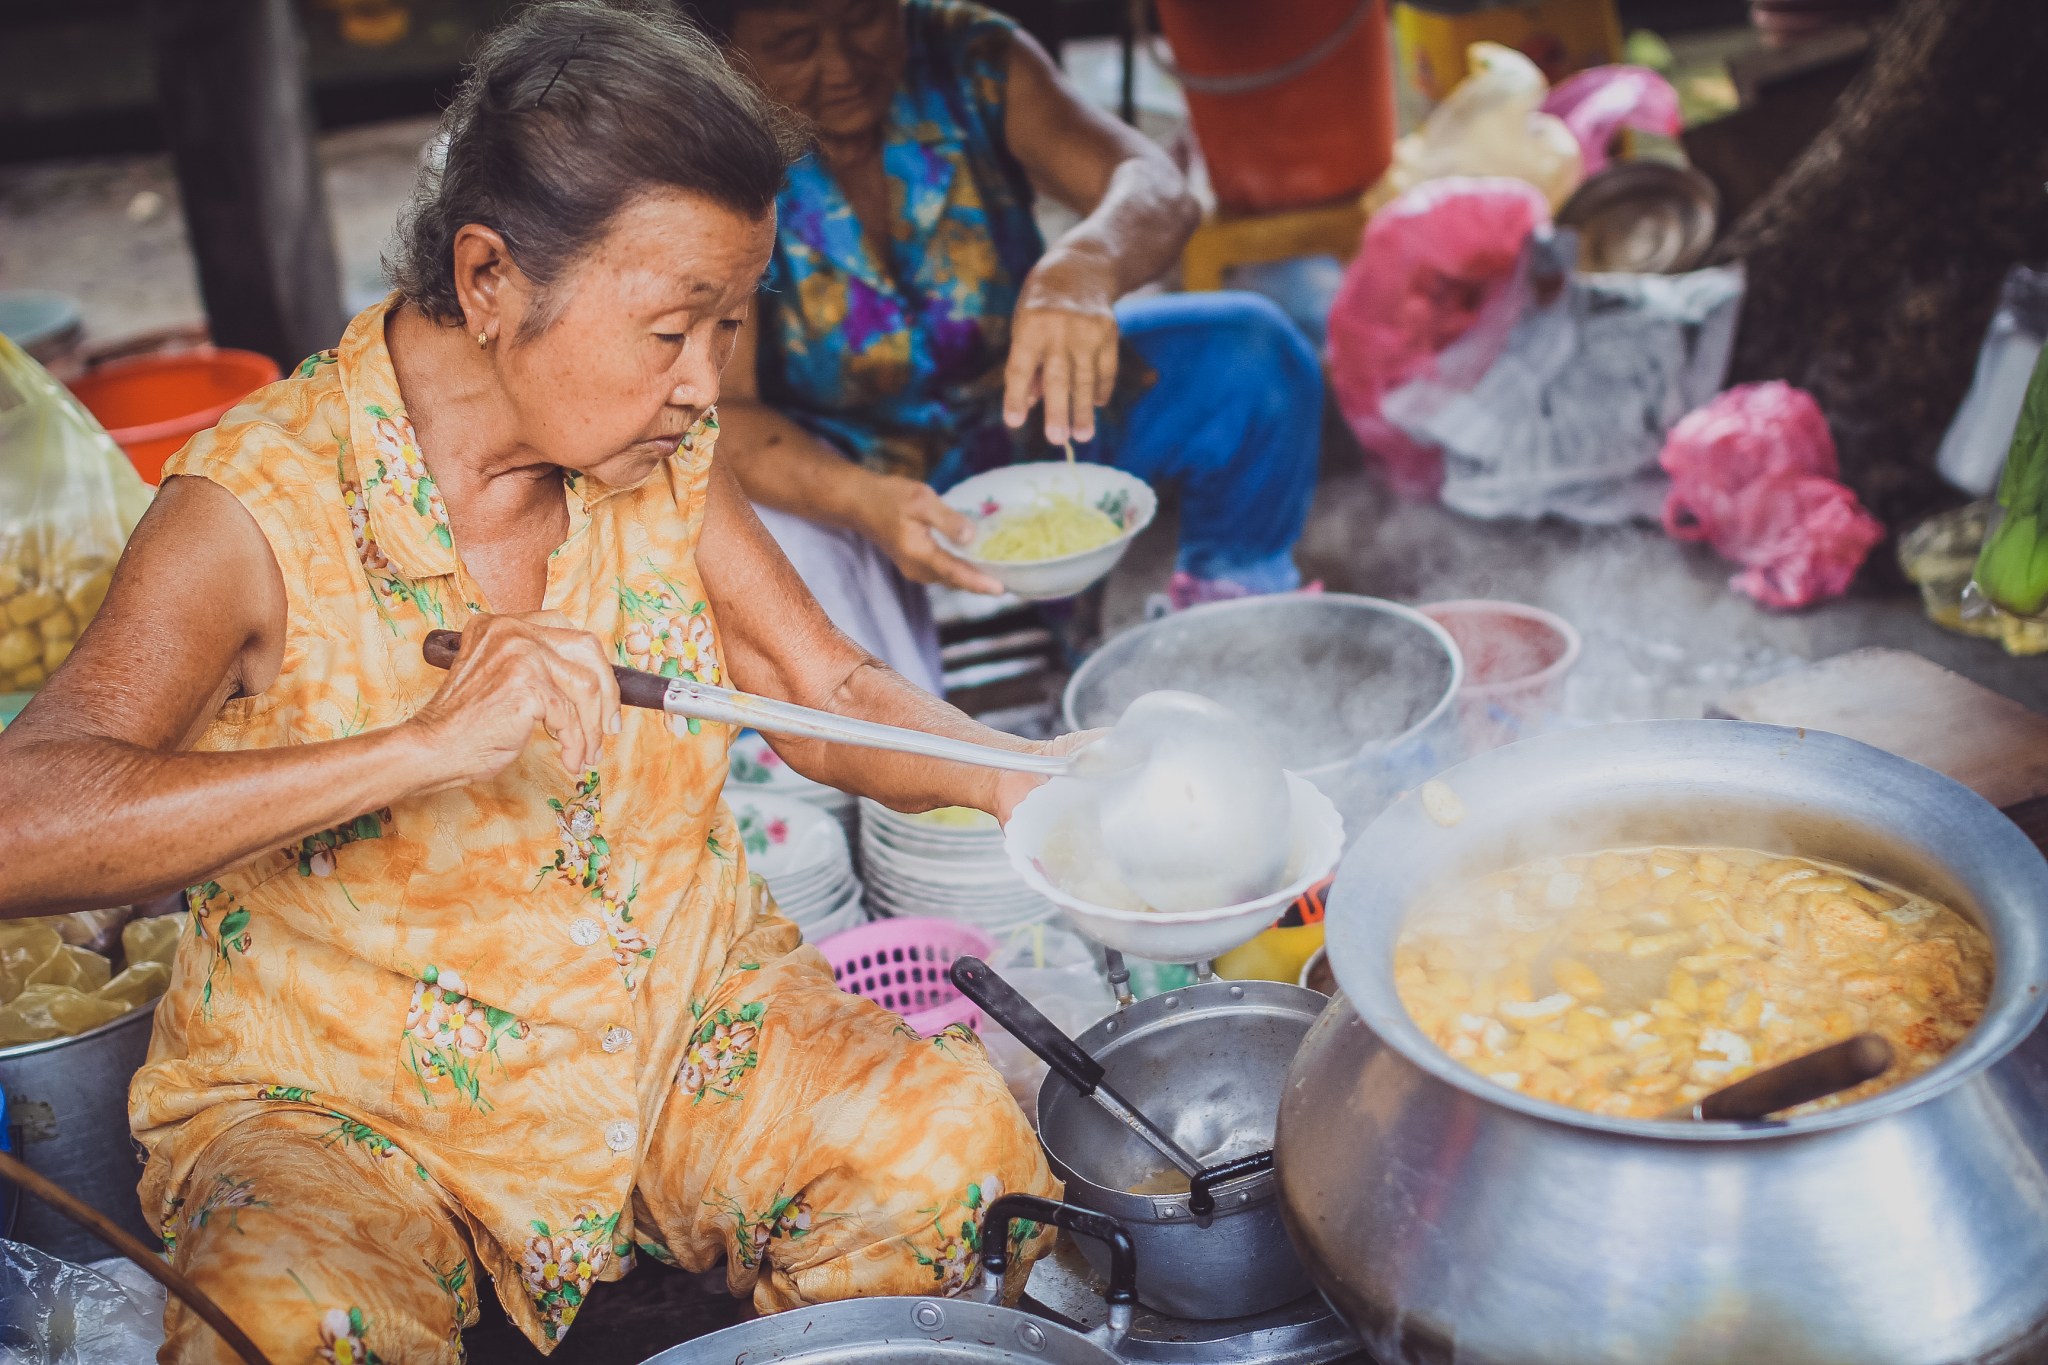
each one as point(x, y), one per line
point(977, 981)
point(1123, 1253)
point(1201, 1190)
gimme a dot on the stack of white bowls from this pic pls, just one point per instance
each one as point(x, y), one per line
point(754, 767)
point(801, 852)
point(949, 864)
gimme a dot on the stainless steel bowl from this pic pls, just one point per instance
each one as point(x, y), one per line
point(1206, 1064)
point(1444, 1216)
point(1356, 693)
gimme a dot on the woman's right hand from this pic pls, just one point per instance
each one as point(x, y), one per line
point(516, 672)
point(900, 515)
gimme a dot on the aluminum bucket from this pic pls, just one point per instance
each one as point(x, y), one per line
point(67, 1111)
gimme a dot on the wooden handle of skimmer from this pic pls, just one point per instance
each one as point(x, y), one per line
point(153, 1265)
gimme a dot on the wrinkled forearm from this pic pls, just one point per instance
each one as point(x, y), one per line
point(92, 822)
point(780, 465)
point(906, 782)
point(1138, 229)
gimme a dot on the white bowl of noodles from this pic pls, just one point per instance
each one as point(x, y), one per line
point(1054, 527)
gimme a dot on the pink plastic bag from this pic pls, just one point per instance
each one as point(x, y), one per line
point(1753, 475)
point(1597, 103)
point(1430, 261)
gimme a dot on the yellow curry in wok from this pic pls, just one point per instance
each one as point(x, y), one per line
point(1633, 981)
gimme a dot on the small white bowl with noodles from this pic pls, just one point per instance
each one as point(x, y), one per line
point(1050, 529)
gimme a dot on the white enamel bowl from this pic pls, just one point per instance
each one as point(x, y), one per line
point(986, 498)
point(1191, 936)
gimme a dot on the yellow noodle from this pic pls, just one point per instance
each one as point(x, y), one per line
point(1061, 526)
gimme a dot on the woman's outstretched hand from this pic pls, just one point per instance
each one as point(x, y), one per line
point(1063, 343)
point(516, 672)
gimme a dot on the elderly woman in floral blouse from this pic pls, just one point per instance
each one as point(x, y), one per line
point(476, 982)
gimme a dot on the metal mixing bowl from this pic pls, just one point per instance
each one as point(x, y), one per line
point(1355, 693)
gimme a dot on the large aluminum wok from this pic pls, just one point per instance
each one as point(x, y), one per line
point(1448, 1218)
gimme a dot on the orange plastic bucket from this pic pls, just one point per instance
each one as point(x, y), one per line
point(153, 404)
point(1293, 103)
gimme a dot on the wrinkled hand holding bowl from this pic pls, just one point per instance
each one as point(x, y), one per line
point(987, 498)
point(1316, 832)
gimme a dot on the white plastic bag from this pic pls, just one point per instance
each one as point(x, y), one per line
point(57, 1313)
point(68, 499)
point(1978, 436)
point(1563, 412)
point(1056, 970)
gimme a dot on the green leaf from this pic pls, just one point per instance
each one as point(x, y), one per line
point(670, 668)
point(498, 1018)
point(355, 1321)
point(599, 845)
point(695, 726)
point(441, 534)
point(540, 1227)
point(234, 924)
point(375, 410)
point(753, 1010)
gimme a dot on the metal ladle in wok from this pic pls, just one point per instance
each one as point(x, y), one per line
point(978, 981)
point(1194, 805)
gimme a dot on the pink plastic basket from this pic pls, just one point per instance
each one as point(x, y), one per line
point(900, 964)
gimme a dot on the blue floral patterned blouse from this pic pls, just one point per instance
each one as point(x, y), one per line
point(899, 363)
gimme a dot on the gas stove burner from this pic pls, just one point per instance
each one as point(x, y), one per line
point(1305, 1332)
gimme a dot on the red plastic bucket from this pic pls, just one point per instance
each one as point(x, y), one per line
point(153, 404)
point(1517, 660)
point(1299, 108)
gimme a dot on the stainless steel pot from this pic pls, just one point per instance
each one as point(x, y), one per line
point(1206, 1063)
point(894, 1330)
point(67, 1104)
point(1446, 1217)
point(1356, 693)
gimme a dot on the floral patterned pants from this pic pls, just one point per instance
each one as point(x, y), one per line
point(857, 1164)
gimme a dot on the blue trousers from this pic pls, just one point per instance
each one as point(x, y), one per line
point(1235, 419)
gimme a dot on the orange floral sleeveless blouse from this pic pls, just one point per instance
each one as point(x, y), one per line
point(349, 973)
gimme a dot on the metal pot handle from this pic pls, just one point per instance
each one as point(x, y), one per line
point(1122, 1294)
point(1201, 1189)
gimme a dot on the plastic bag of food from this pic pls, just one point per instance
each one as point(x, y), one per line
point(1600, 101)
point(1939, 555)
point(1493, 124)
point(1753, 475)
point(1429, 265)
point(68, 499)
point(1557, 399)
point(58, 1313)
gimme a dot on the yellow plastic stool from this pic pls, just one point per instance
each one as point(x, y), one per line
point(1220, 243)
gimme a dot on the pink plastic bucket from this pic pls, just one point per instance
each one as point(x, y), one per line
point(900, 964)
point(1516, 661)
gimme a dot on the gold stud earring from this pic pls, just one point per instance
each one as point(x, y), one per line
point(483, 339)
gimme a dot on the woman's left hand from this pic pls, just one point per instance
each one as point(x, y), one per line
point(1063, 343)
point(1012, 788)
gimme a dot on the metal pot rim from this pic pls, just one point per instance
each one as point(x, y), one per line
point(1360, 911)
point(148, 1011)
point(1343, 599)
point(1210, 997)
